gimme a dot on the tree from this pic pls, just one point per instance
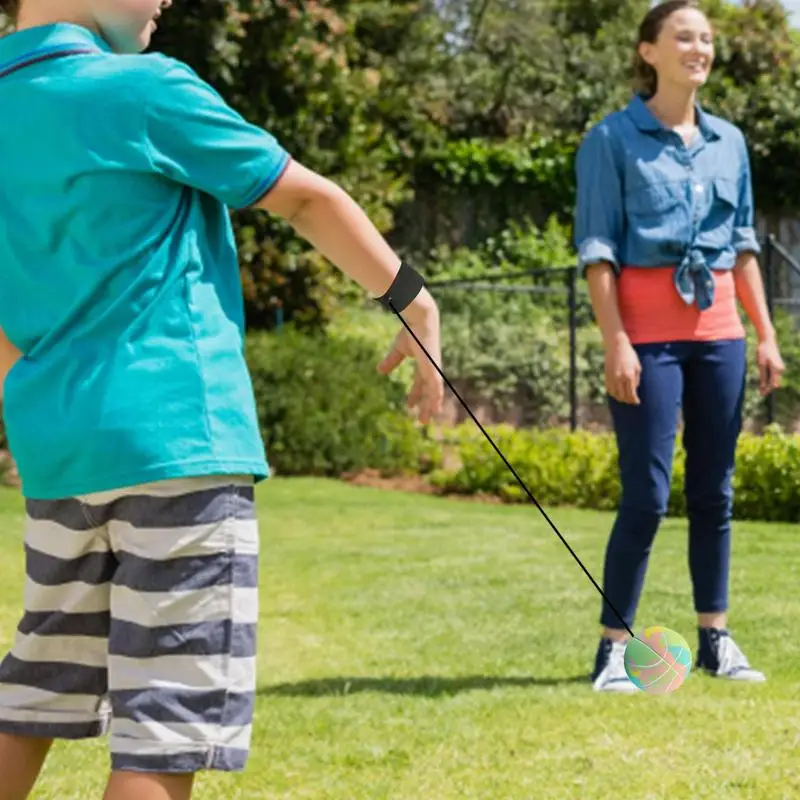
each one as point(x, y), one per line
point(294, 68)
point(756, 85)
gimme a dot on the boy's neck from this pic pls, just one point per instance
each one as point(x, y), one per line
point(36, 13)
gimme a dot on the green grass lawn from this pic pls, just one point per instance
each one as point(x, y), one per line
point(431, 649)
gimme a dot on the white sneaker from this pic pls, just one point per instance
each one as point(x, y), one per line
point(721, 657)
point(609, 672)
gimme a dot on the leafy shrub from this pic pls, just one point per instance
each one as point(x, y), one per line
point(506, 259)
point(324, 410)
point(508, 366)
point(521, 245)
point(580, 469)
point(505, 366)
point(559, 468)
point(767, 480)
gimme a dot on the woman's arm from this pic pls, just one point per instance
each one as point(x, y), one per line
point(622, 367)
point(749, 285)
point(751, 294)
point(599, 227)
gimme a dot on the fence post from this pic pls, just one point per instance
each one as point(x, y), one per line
point(770, 272)
point(572, 278)
point(769, 269)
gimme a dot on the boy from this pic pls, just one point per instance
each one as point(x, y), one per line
point(130, 412)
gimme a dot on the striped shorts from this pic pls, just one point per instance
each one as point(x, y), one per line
point(141, 607)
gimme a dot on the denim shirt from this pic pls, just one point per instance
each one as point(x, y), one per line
point(645, 199)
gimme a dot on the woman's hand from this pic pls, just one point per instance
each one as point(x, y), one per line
point(623, 371)
point(750, 291)
point(770, 366)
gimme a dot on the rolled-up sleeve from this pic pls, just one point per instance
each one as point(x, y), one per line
point(745, 238)
point(599, 219)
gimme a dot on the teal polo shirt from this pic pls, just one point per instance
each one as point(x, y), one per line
point(120, 278)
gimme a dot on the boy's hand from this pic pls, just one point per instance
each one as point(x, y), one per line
point(328, 218)
point(9, 355)
point(427, 391)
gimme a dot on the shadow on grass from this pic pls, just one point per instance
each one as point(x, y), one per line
point(425, 686)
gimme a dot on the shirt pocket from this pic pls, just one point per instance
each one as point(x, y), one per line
point(653, 200)
point(659, 213)
point(717, 228)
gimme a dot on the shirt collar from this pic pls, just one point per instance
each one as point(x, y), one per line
point(646, 121)
point(19, 45)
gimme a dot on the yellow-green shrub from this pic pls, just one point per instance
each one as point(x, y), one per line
point(580, 469)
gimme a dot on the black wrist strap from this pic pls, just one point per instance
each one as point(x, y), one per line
point(406, 285)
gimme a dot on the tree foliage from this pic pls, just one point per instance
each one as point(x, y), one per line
point(414, 104)
point(756, 85)
point(531, 71)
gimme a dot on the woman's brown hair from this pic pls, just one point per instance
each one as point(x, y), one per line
point(649, 31)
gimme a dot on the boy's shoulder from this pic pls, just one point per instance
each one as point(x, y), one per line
point(123, 80)
point(126, 84)
point(143, 69)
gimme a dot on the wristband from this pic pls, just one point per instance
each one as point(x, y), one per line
point(406, 285)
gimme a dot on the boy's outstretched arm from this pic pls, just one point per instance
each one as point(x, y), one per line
point(329, 219)
point(8, 357)
point(194, 138)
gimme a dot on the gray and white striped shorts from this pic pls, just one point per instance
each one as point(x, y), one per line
point(141, 607)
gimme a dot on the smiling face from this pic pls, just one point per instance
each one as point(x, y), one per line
point(128, 25)
point(683, 51)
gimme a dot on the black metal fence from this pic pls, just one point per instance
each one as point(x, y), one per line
point(562, 291)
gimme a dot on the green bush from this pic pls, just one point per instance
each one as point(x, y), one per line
point(508, 366)
point(324, 410)
point(519, 248)
point(767, 480)
point(501, 364)
point(580, 469)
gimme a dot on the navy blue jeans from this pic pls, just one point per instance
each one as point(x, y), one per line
point(706, 380)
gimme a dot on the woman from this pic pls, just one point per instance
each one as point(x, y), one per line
point(664, 229)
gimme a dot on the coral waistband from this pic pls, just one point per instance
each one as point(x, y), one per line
point(652, 311)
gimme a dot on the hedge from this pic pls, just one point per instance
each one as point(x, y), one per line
point(580, 469)
point(324, 409)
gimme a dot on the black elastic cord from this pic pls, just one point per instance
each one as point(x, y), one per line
point(407, 284)
point(513, 472)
